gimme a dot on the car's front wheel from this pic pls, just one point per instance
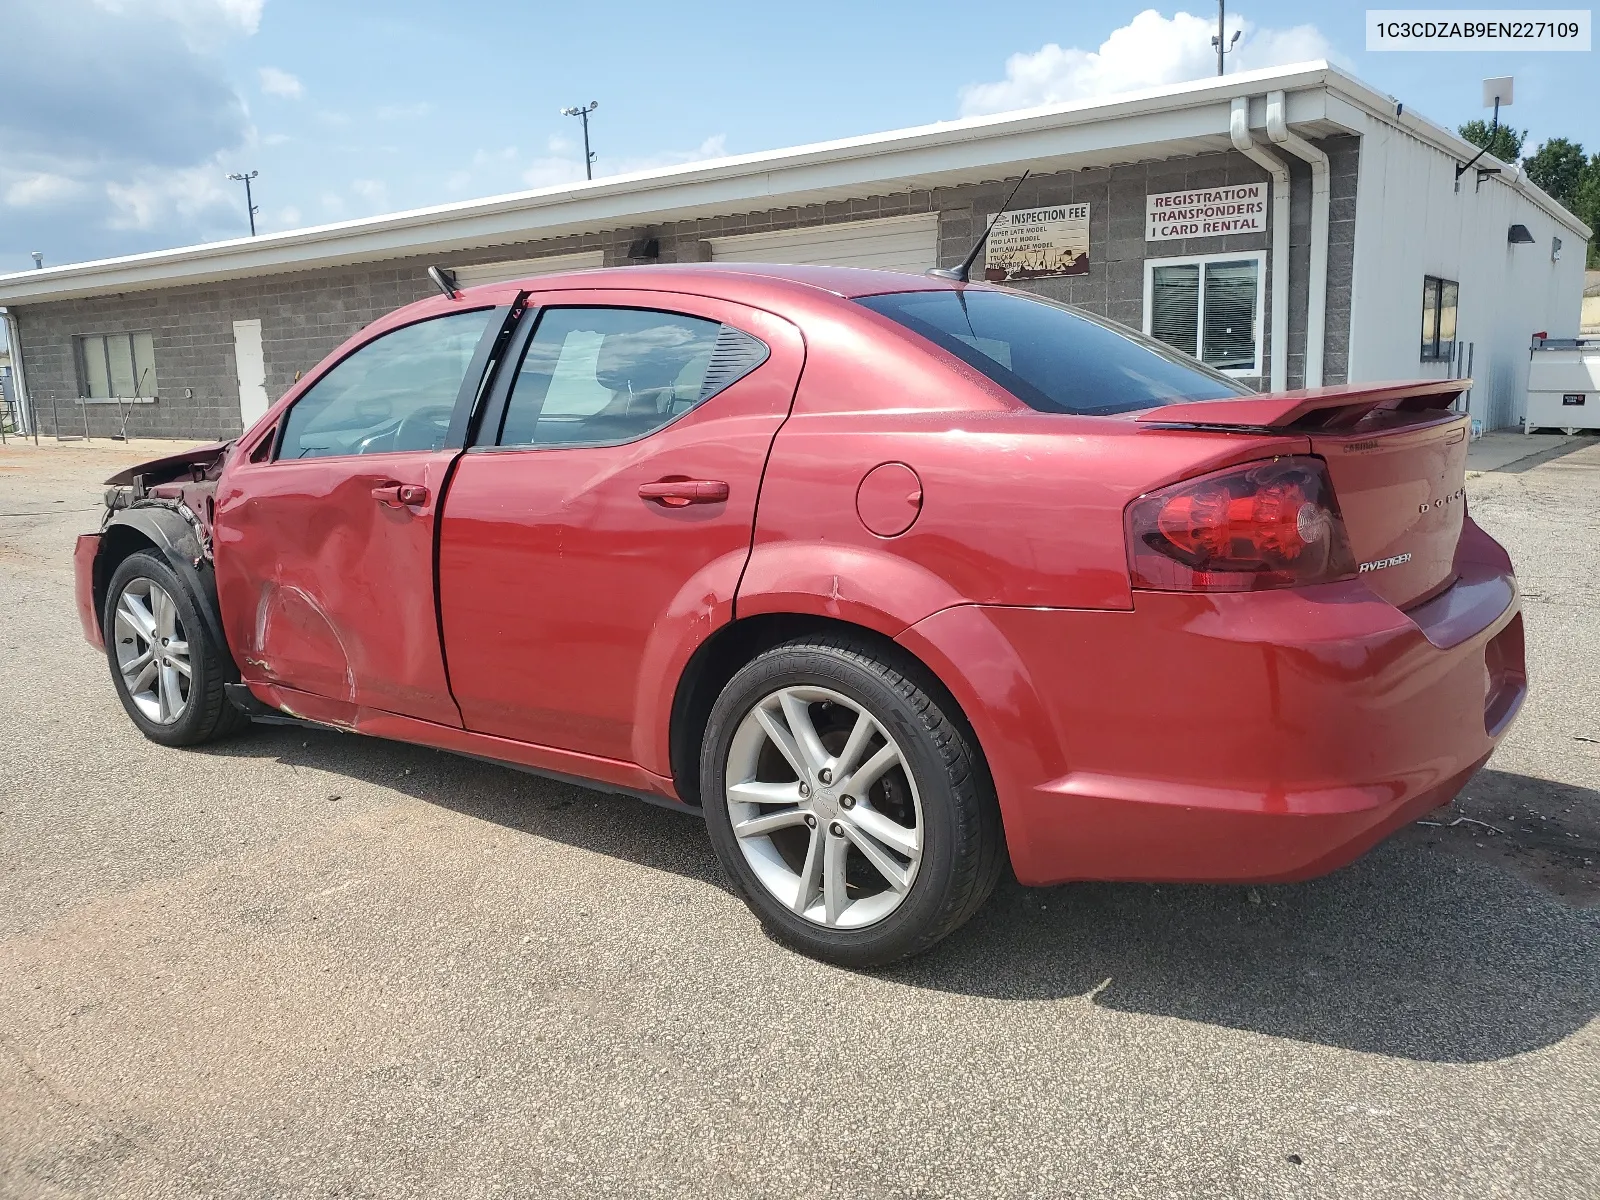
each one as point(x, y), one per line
point(851, 809)
point(168, 670)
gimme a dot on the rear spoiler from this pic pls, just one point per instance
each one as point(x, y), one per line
point(1311, 408)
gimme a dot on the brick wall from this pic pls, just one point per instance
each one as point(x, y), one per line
point(304, 315)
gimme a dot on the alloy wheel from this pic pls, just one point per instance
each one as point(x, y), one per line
point(152, 651)
point(823, 807)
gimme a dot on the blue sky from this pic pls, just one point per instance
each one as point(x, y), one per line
point(119, 118)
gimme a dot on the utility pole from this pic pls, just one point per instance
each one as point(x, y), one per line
point(588, 154)
point(1222, 50)
point(249, 201)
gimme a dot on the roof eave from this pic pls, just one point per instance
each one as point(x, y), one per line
point(899, 158)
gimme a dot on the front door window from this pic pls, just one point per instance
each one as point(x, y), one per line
point(397, 392)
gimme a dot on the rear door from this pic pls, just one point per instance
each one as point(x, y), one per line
point(325, 546)
point(608, 512)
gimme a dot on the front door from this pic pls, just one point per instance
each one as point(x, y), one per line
point(324, 548)
point(613, 499)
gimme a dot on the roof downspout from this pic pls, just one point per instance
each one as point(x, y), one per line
point(1239, 130)
point(19, 381)
point(1317, 304)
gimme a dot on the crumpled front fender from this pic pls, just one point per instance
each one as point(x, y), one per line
point(177, 537)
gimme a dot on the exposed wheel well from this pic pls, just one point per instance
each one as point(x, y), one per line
point(117, 542)
point(735, 644)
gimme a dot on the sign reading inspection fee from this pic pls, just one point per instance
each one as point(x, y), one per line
point(1034, 242)
point(1205, 212)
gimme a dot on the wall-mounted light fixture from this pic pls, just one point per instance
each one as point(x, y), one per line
point(1518, 234)
point(1555, 249)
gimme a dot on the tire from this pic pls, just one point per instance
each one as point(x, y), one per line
point(818, 865)
point(148, 608)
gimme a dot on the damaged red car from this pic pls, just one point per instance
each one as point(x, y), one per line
point(895, 580)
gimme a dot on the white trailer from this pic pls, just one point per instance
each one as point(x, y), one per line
point(1563, 384)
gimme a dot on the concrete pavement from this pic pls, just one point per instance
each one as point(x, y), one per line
point(307, 964)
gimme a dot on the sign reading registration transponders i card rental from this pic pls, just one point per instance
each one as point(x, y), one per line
point(1206, 212)
point(1034, 242)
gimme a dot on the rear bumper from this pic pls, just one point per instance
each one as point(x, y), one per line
point(84, 554)
point(1257, 737)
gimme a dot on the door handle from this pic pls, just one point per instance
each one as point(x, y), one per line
point(398, 495)
point(677, 493)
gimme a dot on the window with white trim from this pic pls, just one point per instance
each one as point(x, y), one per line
point(116, 365)
point(1208, 307)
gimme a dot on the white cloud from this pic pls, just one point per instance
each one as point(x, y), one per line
point(404, 112)
point(204, 22)
point(374, 192)
point(1149, 51)
point(94, 158)
point(280, 83)
point(548, 172)
point(152, 198)
point(564, 166)
point(41, 188)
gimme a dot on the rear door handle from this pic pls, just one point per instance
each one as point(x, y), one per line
point(398, 495)
point(677, 493)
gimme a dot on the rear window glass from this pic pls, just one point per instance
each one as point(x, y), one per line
point(1051, 357)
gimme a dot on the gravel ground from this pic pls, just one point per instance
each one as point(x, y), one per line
point(308, 964)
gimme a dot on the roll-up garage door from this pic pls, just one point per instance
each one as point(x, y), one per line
point(522, 268)
point(909, 243)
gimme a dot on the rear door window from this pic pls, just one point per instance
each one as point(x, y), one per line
point(1052, 357)
point(397, 392)
point(603, 376)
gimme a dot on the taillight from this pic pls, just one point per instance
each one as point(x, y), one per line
point(1260, 525)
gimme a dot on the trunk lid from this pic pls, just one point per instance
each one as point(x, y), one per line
point(1397, 458)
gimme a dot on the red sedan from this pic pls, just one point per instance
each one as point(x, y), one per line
point(891, 578)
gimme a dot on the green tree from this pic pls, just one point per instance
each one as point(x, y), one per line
point(1506, 144)
point(1586, 205)
point(1558, 168)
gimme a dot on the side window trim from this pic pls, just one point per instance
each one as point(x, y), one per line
point(483, 373)
point(470, 384)
point(485, 433)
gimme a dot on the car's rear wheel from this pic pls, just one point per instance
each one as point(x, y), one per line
point(168, 670)
point(852, 810)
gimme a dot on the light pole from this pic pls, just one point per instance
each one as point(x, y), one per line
point(249, 201)
point(1217, 41)
point(588, 155)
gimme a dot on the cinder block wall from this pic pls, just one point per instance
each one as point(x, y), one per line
point(304, 315)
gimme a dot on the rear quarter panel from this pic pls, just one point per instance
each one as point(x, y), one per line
point(1018, 507)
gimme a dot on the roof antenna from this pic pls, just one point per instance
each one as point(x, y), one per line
point(445, 280)
point(959, 274)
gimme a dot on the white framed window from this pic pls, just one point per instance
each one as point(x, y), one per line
point(1209, 306)
point(116, 366)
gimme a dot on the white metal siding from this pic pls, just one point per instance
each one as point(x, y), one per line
point(1411, 222)
point(909, 243)
point(522, 268)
